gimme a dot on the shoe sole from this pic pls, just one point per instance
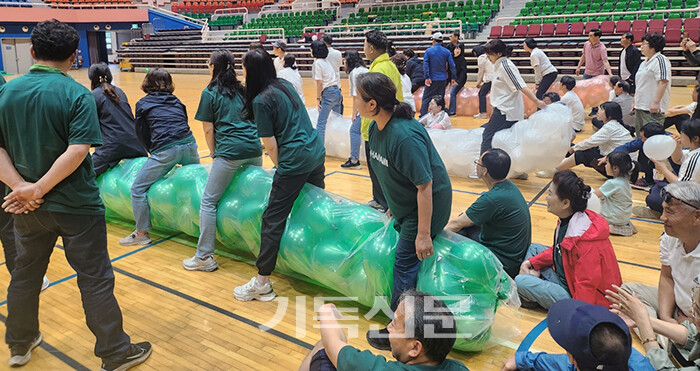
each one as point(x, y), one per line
point(18, 361)
point(134, 362)
point(264, 297)
point(203, 269)
point(640, 188)
point(352, 168)
point(135, 243)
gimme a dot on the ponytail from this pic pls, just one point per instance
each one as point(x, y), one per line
point(100, 76)
point(378, 87)
point(110, 91)
point(403, 110)
point(224, 74)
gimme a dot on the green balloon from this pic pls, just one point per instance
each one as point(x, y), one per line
point(330, 241)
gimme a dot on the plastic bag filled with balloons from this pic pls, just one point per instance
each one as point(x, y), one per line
point(329, 241)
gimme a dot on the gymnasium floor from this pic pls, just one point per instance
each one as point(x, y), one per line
point(192, 319)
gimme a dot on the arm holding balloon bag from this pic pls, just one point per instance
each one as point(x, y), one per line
point(657, 151)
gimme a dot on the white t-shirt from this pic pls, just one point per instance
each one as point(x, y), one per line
point(578, 114)
point(685, 269)
point(322, 70)
point(279, 64)
point(293, 77)
point(541, 64)
point(690, 167)
point(407, 95)
point(624, 72)
point(336, 60)
point(607, 138)
point(354, 74)
point(485, 68)
point(505, 90)
point(650, 72)
point(440, 121)
point(691, 108)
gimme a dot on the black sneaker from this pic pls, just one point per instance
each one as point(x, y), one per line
point(350, 164)
point(137, 354)
point(379, 339)
point(21, 353)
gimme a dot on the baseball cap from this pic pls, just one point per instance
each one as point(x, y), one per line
point(570, 323)
point(437, 36)
point(280, 44)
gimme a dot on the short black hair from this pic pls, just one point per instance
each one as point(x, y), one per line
point(691, 128)
point(596, 32)
point(377, 39)
point(622, 160)
point(629, 36)
point(409, 53)
point(625, 86)
point(54, 41)
point(554, 97)
point(614, 80)
point(609, 344)
point(653, 128)
point(439, 100)
point(157, 80)
point(571, 187)
point(328, 39)
point(497, 46)
point(319, 49)
point(613, 111)
point(569, 82)
point(478, 50)
point(656, 41)
point(431, 322)
point(497, 162)
point(290, 61)
point(456, 33)
point(531, 43)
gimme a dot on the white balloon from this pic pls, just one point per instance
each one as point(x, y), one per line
point(594, 202)
point(659, 147)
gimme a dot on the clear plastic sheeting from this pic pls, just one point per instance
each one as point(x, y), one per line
point(458, 148)
point(539, 142)
point(329, 241)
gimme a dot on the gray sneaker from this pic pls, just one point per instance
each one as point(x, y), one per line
point(645, 212)
point(252, 290)
point(135, 239)
point(521, 176)
point(45, 285)
point(194, 263)
point(21, 353)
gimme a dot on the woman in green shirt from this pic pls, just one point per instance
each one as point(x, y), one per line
point(233, 142)
point(295, 148)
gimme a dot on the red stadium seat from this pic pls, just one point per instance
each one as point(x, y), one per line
point(548, 29)
point(639, 28)
point(562, 29)
point(622, 27)
point(495, 32)
point(656, 25)
point(533, 30)
point(521, 30)
point(673, 36)
point(692, 27)
point(576, 29)
point(674, 24)
point(590, 26)
point(607, 27)
point(508, 31)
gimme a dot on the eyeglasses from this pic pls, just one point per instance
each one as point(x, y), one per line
point(477, 163)
point(666, 196)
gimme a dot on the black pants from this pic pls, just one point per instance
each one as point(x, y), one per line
point(285, 190)
point(473, 233)
point(496, 123)
point(654, 199)
point(85, 244)
point(547, 81)
point(483, 92)
point(377, 193)
point(435, 88)
point(7, 238)
point(676, 120)
point(646, 166)
point(416, 85)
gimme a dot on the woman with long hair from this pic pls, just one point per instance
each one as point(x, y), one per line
point(290, 73)
point(116, 121)
point(295, 149)
point(233, 142)
point(461, 78)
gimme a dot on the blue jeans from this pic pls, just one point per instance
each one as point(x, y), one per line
point(654, 200)
point(453, 98)
point(155, 168)
point(355, 138)
point(222, 171)
point(331, 99)
point(405, 270)
point(545, 290)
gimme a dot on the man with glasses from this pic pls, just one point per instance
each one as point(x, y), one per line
point(679, 255)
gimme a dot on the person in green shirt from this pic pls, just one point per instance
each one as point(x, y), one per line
point(499, 219)
point(422, 334)
point(2, 81)
point(48, 122)
point(375, 49)
point(233, 142)
point(413, 179)
point(295, 149)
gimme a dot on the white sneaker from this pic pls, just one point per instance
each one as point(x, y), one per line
point(481, 115)
point(135, 239)
point(474, 175)
point(252, 290)
point(45, 284)
point(521, 176)
point(546, 173)
point(194, 263)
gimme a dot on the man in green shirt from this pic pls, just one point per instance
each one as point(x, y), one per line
point(375, 48)
point(48, 122)
point(499, 219)
point(422, 334)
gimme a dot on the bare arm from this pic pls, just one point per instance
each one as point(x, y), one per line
point(528, 93)
point(424, 198)
point(8, 172)
point(271, 147)
point(319, 91)
point(580, 62)
point(462, 221)
point(668, 174)
point(667, 298)
point(332, 335)
point(209, 136)
point(660, 90)
point(607, 67)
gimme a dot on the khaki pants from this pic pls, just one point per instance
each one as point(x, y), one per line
point(642, 118)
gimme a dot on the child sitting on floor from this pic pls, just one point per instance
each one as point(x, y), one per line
point(616, 194)
point(436, 118)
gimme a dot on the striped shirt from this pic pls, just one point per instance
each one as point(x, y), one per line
point(690, 167)
point(505, 90)
point(650, 72)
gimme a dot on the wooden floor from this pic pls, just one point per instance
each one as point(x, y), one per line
point(192, 319)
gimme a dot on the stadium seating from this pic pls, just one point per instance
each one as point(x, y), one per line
point(292, 22)
point(209, 7)
point(16, 3)
point(544, 8)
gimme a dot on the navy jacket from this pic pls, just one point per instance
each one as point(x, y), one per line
point(633, 58)
point(436, 61)
point(160, 120)
point(414, 70)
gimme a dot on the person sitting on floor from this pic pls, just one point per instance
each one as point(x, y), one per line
point(581, 263)
point(676, 115)
point(616, 194)
point(437, 117)
point(422, 333)
point(499, 219)
point(593, 338)
point(551, 97)
point(620, 95)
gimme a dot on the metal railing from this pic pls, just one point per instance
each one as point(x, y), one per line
point(250, 34)
point(230, 11)
point(422, 28)
point(300, 6)
point(382, 3)
point(500, 20)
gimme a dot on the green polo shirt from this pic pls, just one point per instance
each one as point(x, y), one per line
point(352, 359)
point(384, 65)
point(300, 149)
point(504, 218)
point(236, 138)
point(2, 80)
point(41, 114)
point(403, 157)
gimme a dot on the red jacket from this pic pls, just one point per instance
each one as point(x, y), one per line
point(590, 264)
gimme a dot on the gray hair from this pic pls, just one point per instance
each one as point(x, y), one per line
point(686, 191)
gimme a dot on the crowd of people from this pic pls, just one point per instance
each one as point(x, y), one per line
point(51, 177)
